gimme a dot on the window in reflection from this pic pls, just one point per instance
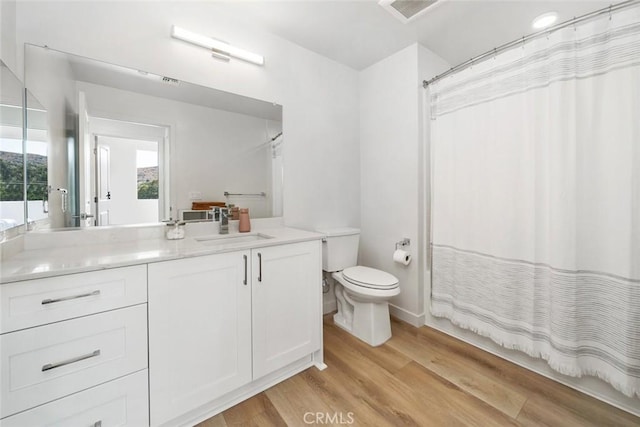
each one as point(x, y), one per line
point(147, 166)
point(37, 184)
point(11, 183)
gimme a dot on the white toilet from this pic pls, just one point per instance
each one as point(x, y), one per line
point(362, 293)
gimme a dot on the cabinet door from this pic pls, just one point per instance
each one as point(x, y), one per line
point(199, 331)
point(287, 287)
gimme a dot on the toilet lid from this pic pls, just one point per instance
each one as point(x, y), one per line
point(369, 277)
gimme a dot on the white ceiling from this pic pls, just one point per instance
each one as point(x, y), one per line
point(360, 33)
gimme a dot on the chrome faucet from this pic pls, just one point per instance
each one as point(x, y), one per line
point(214, 214)
point(224, 221)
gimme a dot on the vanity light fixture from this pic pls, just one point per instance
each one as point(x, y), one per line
point(219, 48)
point(544, 20)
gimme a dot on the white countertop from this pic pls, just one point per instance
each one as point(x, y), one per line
point(82, 256)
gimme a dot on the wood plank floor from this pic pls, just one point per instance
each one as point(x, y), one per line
point(420, 377)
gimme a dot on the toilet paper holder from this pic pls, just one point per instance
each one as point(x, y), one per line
point(402, 243)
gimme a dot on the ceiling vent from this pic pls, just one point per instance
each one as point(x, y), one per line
point(408, 10)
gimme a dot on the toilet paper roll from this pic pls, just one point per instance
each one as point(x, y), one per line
point(402, 257)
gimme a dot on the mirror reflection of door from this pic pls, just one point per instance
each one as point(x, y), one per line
point(82, 213)
point(127, 180)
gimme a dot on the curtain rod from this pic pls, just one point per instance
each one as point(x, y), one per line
point(610, 9)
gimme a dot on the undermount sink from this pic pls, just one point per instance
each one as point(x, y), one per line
point(225, 240)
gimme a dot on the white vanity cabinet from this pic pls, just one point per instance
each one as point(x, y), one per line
point(286, 291)
point(219, 324)
point(199, 331)
point(74, 348)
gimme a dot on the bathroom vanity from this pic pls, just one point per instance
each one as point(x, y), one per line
point(118, 325)
point(133, 329)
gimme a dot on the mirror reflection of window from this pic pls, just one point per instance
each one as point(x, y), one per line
point(12, 209)
point(37, 184)
point(11, 183)
point(12, 168)
point(37, 149)
point(147, 166)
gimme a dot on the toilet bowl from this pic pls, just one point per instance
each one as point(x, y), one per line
point(362, 293)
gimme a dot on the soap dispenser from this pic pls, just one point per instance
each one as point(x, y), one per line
point(244, 226)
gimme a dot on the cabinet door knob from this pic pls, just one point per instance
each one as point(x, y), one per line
point(259, 267)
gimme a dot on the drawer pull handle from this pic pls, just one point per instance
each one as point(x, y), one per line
point(50, 366)
point(245, 270)
point(97, 424)
point(52, 301)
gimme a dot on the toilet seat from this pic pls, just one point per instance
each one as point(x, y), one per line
point(369, 278)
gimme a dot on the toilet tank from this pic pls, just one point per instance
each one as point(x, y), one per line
point(340, 248)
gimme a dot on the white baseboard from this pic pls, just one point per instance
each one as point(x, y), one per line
point(413, 319)
point(591, 386)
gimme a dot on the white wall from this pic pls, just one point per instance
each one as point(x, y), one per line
point(392, 175)
point(319, 96)
point(8, 34)
point(11, 95)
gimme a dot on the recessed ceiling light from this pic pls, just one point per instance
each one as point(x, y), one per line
point(545, 20)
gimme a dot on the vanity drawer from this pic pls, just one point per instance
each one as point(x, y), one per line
point(45, 363)
point(41, 301)
point(122, 402)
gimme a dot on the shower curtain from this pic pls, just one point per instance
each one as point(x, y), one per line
point(536, 199)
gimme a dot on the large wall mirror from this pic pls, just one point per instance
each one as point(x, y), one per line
point(125, 146)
